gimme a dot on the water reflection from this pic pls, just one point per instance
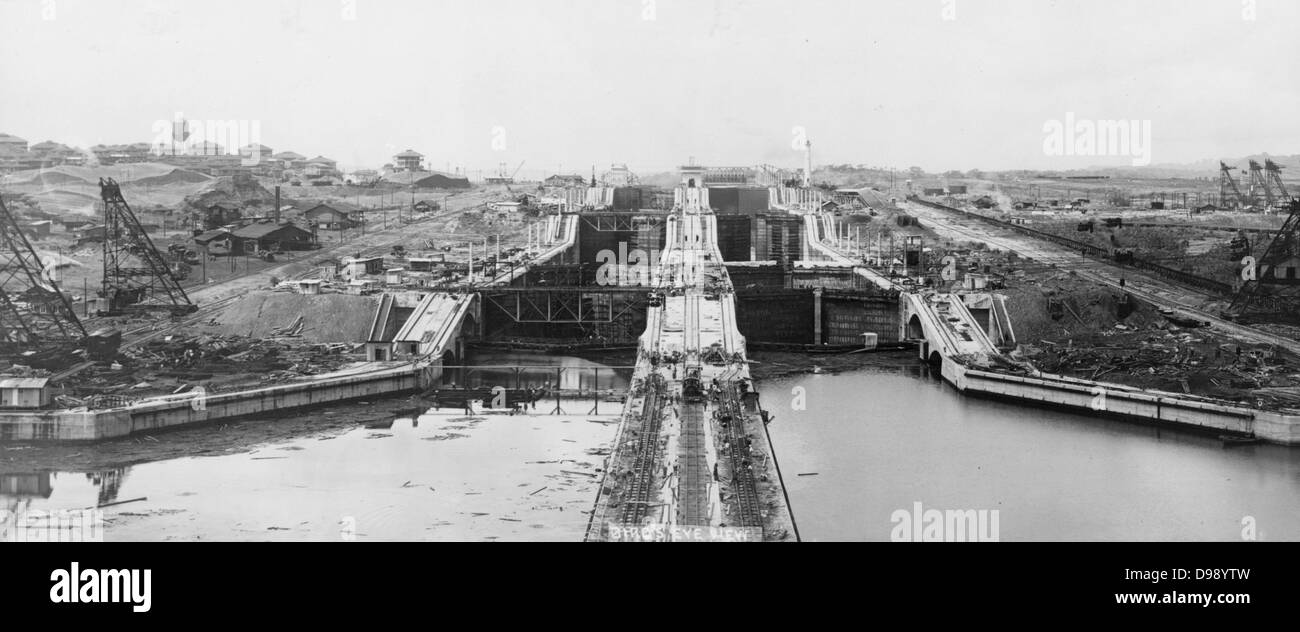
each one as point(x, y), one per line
point(538, 370)
point(18, 489)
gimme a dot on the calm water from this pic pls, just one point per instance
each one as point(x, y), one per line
point(881, 440)
point(878, 439)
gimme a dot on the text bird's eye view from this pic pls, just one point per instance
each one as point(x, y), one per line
point(613, 271)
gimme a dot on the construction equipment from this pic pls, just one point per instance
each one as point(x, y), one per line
point(692, 385)
point(136, 276)
point(1258, 184)
point(1226, 183)
point(1283, 249)
point(1274, 175)
point(34, 315)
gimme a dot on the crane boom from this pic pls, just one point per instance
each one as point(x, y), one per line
point(1226, 182)
point(34, 313)
point(136, 276)
point(1282, 247)
point(1274, 171)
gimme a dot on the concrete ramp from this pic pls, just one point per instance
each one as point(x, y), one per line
point(990, 311)
point(946, 330)
point(434, 327)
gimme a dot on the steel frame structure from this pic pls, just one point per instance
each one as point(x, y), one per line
point(33, 312)
point(1283, 246)
point(136, 276)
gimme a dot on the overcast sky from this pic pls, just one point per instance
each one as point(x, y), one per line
point(653, 82)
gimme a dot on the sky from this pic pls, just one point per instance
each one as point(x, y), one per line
point(572, 84)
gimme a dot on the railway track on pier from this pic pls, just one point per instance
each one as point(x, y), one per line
point(636, 505)
point(744, 488)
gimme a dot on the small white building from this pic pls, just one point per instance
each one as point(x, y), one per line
point(355, 267)
point(309, 286)
point(363, 286)
point(25, 392)
point(394, 276)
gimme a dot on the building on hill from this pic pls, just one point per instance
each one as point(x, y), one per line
point(321, 167)
point(262, 152)
point(290, 160)
point(13, 143)
point(409, 160)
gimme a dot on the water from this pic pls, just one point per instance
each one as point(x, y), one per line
point(447, 477)
point(883, 439)
point(324, 475)
point(879, 440)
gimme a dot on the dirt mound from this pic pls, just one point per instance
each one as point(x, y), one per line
point(55, 178)
point(325, 317)
point(229, 191)
point(173, 177)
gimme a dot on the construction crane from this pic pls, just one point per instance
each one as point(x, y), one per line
point(136, 276)
point(1282, 249)
point(1259, 183)
point(1274, 175)
point(1226, 182)
point(510, 180)
point(34, 315)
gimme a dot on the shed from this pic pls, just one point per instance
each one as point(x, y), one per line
point(354, 267)
point(328, 217)
point(25, 392)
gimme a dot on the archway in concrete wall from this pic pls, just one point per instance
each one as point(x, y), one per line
point(914, 329)
point(935, 359)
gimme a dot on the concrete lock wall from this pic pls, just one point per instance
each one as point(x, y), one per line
point(180, 411)
point(1120, 401)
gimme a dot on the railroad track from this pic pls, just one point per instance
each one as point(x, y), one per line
point(744, 487)
point(637, 502)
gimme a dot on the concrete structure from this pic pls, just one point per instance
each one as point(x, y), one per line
point(678, 472)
